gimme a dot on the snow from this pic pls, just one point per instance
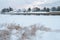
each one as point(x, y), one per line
point(25, 21)
point(48, 21)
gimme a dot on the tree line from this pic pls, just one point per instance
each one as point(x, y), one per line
point(35, 9)
point(6, 10)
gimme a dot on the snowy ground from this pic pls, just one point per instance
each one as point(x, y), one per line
point(46, 28)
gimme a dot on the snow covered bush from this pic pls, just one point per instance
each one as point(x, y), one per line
point(4, 35)
point(14, 26)
point(17, 32)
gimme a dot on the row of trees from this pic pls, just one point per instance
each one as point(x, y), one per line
point(35, 9)
point(56, 8)
point(45, 9)
point(6, 10)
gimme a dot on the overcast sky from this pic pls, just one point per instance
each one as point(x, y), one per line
point(24, 3)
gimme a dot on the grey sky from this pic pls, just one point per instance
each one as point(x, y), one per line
point(24, 3)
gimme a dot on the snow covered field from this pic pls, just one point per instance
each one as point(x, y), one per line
point(50, 22)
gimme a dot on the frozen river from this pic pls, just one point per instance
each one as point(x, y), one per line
point(48, 21)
